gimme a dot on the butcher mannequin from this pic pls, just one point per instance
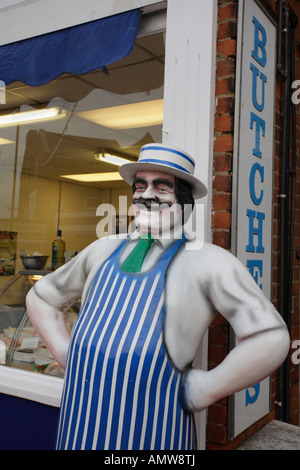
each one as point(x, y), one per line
point(147, 300)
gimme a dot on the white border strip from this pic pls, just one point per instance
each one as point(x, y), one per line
point(32, 18)
point(31, 386)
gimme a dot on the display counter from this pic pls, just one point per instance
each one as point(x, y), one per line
point(31, 382)
point(20, 345)
point(27, 370)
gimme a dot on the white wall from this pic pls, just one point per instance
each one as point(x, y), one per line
point(21, 19)
point(189, 105)
point(189, 97)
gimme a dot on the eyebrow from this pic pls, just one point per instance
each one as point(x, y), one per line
point(139, 180)
point(156, 182)
point(164, 181)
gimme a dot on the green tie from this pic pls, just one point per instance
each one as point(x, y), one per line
point(133, 264)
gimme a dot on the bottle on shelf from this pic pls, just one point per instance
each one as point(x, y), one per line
point(58, 250)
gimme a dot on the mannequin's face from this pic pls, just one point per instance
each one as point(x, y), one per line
point(154, 202)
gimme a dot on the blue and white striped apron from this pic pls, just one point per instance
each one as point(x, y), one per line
point(121, 389)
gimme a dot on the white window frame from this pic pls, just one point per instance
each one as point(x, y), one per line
point(189, 106)
point(26, 384)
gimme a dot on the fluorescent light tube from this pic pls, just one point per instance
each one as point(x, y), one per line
point(6, 141)
point(94, 177)
point(112, 159)
point(28, 117)
point(127, 116)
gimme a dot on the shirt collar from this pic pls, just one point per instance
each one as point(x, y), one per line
point(165, 239)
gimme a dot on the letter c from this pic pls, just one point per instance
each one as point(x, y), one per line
point(256, 167)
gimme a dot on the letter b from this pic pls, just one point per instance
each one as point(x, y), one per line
point(259, 52)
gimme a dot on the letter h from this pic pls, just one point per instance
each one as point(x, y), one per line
point(260, 216)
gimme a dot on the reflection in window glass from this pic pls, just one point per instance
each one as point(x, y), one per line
point(43, 159)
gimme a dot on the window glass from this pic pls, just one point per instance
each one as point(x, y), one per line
point(44, 165)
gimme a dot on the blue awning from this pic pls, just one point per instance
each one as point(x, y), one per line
point(77, 50)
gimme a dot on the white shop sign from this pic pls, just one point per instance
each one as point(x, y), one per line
point(253, 176)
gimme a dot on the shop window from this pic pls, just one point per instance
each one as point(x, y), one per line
point(52, 175)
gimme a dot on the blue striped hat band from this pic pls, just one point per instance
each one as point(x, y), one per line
point(168, 159)
point(167, 156)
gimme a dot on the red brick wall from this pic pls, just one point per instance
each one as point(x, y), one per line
point(217, 421)
point(295, 320)
point(217, 424)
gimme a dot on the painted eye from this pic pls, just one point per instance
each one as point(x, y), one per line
point(164, 189)
point(140, 187)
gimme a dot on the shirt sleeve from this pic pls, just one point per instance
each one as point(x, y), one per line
point(65, 285)
point(234, 293)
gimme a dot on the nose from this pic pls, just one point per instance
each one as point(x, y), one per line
point(149, 192)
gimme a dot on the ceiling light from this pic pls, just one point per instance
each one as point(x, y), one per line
point(28, 117)
point(94, 177)
point(112, 159)
point(6, 141)
point(127, 116)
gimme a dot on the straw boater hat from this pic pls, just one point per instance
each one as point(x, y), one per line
point(160, 157)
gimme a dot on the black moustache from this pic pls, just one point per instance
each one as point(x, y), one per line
point(148, 203)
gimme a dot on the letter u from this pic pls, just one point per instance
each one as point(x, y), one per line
point(255, 74)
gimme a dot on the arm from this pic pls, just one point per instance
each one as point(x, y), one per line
point(50, 297)
point(248, 363)
point(49, 322)
point(263, 340)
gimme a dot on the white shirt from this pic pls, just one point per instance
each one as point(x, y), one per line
point(199, 283)
point(160, 244)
